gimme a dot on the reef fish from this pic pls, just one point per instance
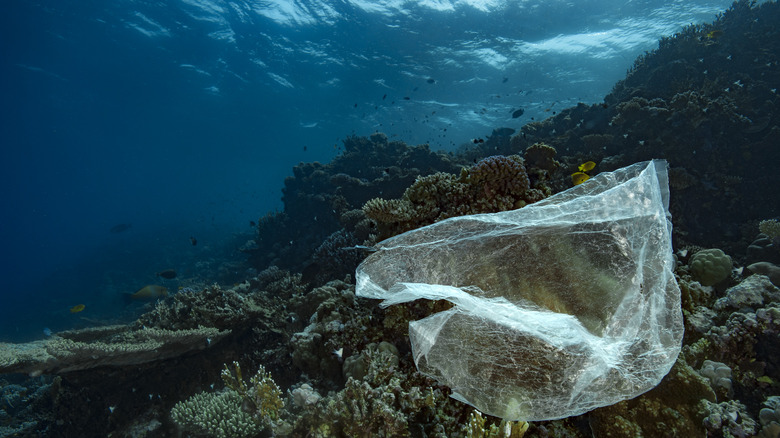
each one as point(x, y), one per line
point(579, 178)
point(586, 166)
point(168, 273)
point(150, 292)
point(77, 308)
point(517, 113)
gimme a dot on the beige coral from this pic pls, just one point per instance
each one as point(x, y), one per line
point(116, 345)
point(216, 414)
point(770, 227)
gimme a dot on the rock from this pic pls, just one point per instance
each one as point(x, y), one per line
point(765, 268)
point(752, 292)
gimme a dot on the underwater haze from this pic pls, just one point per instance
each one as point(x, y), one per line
point(143, 136)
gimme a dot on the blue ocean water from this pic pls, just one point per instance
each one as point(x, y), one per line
point(182, 118)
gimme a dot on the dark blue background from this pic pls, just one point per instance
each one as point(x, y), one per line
point(183, 118)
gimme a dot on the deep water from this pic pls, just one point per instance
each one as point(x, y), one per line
point(183, 118)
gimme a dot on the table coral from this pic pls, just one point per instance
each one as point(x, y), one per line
point(117, 345)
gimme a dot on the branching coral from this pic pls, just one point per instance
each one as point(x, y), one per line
point(770, 227)
point(216, 415)
point(379, 405)
point(240, 410)
point(262, 399)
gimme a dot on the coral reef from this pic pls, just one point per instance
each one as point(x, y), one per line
point(708, 106)
point(670, 409)
point(710, 266)
point(103, 346)
point(496, 183)
point(769, 418)
point(240, 410)
point(26, 405)
point(379, 405)
point(475, 428)
point(318, 198)
point(215, 415)
point(770, 227)
point(770, 270)
point(262, 399)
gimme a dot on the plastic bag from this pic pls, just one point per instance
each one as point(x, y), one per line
point(560, 307)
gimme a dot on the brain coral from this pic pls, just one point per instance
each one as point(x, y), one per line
point(710, 266)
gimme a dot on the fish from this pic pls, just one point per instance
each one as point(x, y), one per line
point(586, 166)
point(517, 113)
point(47, 332)
point(116, 229)
point(193, 240)
point(167, 273)
point(77, 308)
point(431, 80)
point(714, 34)
point(384, 97)
point(579, 177)
point(252, 224)
point(149, 292)
point(504, 80)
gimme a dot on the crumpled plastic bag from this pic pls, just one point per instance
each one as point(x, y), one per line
point(560, 307)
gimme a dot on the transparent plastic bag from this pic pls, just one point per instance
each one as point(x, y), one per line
point(560, 307)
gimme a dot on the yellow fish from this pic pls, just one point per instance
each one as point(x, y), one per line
point(714, 34)
point(579, 178)
point(586, 166)
point(150, 292)
point(77, 308)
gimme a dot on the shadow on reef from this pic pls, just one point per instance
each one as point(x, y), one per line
point(331, 364)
